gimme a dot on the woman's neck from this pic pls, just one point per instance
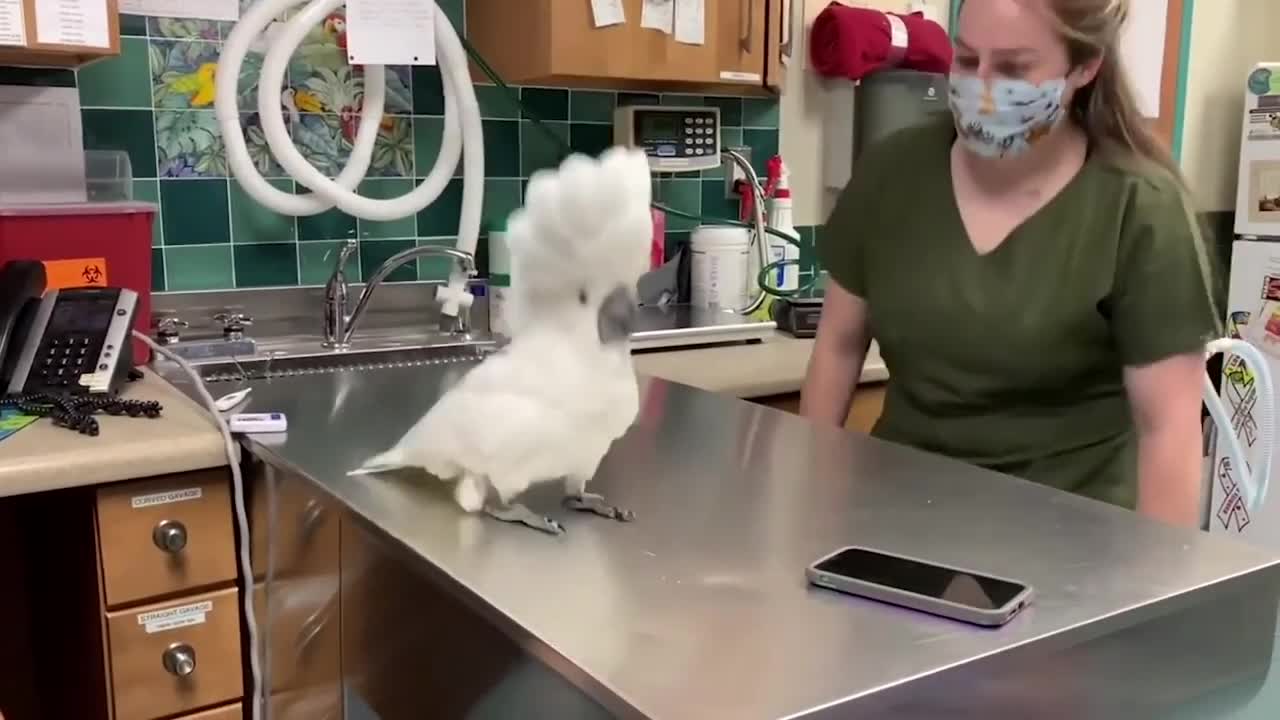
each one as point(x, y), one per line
point(1061, 152)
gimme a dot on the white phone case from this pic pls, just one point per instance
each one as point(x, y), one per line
point(915, 601)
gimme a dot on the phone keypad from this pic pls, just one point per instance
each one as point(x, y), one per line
point(65, 359)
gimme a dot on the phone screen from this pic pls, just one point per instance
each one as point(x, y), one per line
point(955, 586)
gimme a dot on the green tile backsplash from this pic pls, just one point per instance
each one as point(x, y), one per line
point(155, 102)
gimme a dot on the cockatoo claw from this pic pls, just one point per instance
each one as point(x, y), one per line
point(596, 504)
point(517, 513)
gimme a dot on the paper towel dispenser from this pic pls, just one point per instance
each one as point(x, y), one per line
point(860, 114)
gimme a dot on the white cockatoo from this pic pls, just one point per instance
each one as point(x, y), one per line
point(558, 395)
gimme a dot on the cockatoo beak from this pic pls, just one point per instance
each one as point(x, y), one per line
point(616, 319)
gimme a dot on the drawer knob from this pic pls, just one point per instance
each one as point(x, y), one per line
point(170, 536)
point(179, 659)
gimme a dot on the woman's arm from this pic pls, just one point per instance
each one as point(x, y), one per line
point(1165, 397)
point(838, 354)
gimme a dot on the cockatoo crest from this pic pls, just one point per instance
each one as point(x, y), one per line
point(585, 227)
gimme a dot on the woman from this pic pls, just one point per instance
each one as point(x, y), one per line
point(1033, 271)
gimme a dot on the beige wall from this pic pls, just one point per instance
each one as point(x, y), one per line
point(1227, 38)
point(801, 116)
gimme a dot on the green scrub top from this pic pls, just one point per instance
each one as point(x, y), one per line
point(1013, 360)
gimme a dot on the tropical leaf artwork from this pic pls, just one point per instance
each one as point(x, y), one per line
point(182, 28)
point(334, 89)
point(319, 139)
point(188, 144)
point(399, 94)
point(247, 84)
point(393, 150)
point(259, 152)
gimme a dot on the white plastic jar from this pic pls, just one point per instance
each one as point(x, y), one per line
point(719, 268)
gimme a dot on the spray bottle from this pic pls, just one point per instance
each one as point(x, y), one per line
point(784, 277)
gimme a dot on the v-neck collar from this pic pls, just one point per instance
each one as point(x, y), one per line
point(954, 205)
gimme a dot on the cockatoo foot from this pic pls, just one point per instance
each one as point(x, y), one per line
point(588, 502)
point(517, 513)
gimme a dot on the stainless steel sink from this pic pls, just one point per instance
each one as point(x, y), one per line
point(282, 363)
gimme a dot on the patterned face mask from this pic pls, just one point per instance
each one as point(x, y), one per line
point(1001, 117)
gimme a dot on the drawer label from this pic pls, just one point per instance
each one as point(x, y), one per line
point(164, 498)
point(175, 617)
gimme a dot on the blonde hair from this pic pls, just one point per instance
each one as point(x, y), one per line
point(1107, 110)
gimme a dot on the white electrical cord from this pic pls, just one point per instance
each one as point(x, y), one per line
point(1254, 482)
point(463, 132)
point(242, 519)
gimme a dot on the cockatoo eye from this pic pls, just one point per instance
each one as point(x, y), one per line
point(582, 297)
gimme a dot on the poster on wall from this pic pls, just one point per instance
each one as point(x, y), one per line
point(1258, 183)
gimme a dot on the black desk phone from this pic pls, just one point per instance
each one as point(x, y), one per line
point(73, 341)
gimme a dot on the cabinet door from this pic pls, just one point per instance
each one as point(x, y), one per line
point(627, 51)
point(741, 29)
point(781, 45)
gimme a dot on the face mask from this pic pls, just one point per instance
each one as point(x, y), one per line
point(1002, 117)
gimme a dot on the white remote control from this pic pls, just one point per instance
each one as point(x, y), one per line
point(258, 423)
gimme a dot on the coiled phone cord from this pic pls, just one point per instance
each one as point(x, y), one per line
point(75, 412)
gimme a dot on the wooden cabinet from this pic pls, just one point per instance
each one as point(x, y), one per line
point(295, 531)
point(90, 31)
point(126, 605)
point(552, 42)
point(868, 403)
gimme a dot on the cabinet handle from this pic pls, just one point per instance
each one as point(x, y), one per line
point(311, 629)
point(170, 536)
point(179, 659)
point(312, 516)
point(749, 6)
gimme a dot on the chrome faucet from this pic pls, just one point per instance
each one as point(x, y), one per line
point(339, 326)
point(762, 243)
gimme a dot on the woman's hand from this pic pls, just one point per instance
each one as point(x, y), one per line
point(1165, 397)
point(838, 353)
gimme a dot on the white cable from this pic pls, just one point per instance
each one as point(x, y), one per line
point(1254, 482)
point(463, 132)
point(242, 519)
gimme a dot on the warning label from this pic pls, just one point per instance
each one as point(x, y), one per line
point(78, 272)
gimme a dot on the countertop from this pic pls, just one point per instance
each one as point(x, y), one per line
point(775, 366)
point(699, 608)
point(42, 457)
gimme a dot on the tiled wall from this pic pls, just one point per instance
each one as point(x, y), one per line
point(155, 101)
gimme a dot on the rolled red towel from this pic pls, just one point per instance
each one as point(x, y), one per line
point(853, 42)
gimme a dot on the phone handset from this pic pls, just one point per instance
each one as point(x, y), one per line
point(22, 283)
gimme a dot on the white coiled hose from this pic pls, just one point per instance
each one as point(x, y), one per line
point(463, 132)
point(1253, 481)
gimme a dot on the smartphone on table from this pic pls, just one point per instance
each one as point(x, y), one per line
point(943, 590)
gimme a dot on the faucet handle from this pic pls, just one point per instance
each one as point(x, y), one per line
point(169, 328)
point(233, 321)
point(344, 254)
point(171, 323)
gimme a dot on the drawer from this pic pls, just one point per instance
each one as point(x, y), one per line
point(302, 532)
point(151, 645)
point(301, 628)
point(165, 535)
point(227, 712)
